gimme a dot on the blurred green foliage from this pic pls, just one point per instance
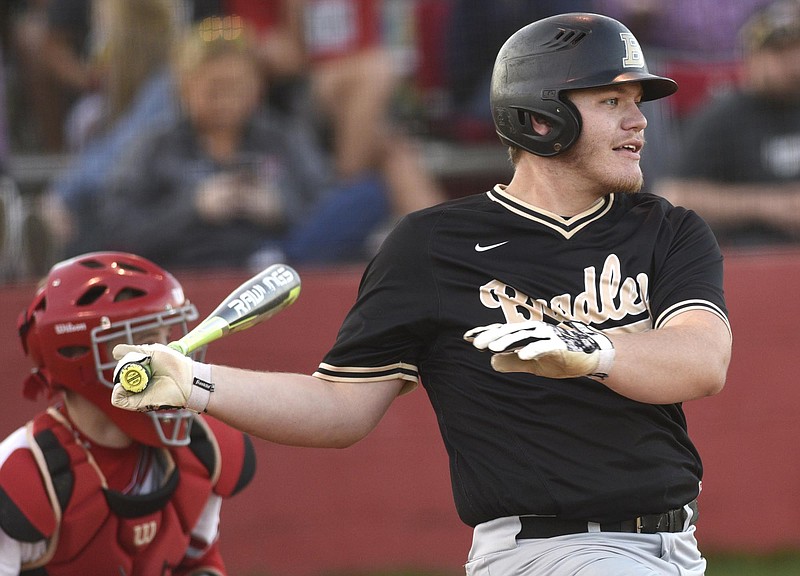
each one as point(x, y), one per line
point(719, 564)
point(778, 564)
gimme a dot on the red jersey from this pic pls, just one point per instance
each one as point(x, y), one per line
point(332, 28)
point(335, 28)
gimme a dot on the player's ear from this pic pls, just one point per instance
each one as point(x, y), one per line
point(540, 124)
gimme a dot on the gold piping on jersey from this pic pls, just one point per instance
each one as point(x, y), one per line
point(687, 305)
point(567, 227)
point(400, 370)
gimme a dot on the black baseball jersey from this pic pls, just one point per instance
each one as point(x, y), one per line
point(518, 443)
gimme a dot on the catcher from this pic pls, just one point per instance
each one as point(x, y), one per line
point(89, 489)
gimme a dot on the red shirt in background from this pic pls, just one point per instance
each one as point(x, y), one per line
point(332, 28)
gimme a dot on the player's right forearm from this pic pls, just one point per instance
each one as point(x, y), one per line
point(297, 409)
point(644, 369)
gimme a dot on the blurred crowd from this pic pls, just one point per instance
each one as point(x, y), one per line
point(235, 133)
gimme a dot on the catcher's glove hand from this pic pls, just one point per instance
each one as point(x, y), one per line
point(177, 381)
point(567, 350)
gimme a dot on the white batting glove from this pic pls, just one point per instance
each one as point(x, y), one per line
point(176, 380)
point(567, 350)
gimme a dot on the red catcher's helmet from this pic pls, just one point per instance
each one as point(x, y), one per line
point(566, 52)
point(85, 304)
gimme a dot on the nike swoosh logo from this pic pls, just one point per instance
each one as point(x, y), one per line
point(479, 248)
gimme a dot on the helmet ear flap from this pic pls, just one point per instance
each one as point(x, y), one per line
point(562, 117)
point(25, 322)
point(36, 385)
point(23, 327)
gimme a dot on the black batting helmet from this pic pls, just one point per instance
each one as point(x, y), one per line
point(565, 52)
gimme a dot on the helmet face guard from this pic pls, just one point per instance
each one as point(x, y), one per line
point(539, 62)
point(124, 331)
point(171, 427)
point(84, 307)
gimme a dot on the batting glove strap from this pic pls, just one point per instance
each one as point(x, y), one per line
point(590, 341)
point(202, 387)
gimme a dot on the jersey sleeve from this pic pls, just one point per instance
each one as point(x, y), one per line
point(384, 333)
point(689, 275)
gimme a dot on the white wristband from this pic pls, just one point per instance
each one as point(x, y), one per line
point(606, 359)
point(605, 356)
point(202, 387)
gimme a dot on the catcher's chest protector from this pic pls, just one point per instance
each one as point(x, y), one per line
point(99, 531)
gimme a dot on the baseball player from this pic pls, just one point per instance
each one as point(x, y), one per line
point(556, 323)
point(89, 489)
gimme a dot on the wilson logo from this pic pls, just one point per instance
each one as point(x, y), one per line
point(69, 327)
point(143, 534)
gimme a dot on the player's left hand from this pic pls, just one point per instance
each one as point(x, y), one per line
point(177, 381)
point(566, 350)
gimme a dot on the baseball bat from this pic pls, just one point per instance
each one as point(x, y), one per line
point(254, 301)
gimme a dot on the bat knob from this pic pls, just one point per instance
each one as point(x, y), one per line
point(133, 376)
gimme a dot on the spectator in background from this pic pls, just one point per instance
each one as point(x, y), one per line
point(697, 29)
point(342, 78)
point(4, 133)
point(45, 97)
point(692, 41)
point(67, 52)
point(104, 51)
point(75, 54)
point(69, 204)
point(739, 163)
point(239, 184)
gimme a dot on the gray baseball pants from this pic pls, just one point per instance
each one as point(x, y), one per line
point(497, 552)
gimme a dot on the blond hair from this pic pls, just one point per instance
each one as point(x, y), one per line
point(212, 37)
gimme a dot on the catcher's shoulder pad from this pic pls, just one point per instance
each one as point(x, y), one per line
point(26, 509)
point(227, 454)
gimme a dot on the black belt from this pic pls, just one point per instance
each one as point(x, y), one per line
point(550, 526)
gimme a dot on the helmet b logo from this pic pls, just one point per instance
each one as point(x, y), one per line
point(633, 52)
